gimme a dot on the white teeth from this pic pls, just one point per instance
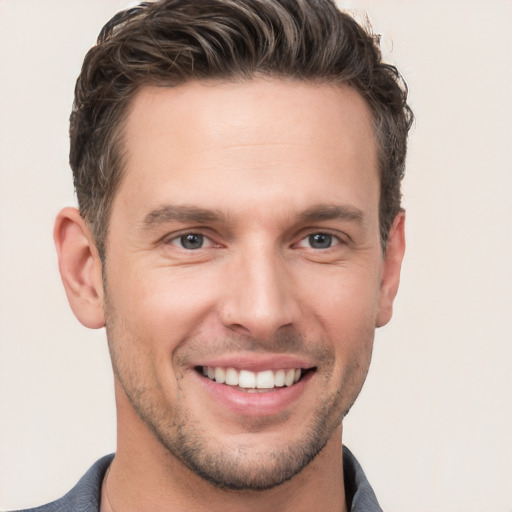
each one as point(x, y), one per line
point(231, 377)
point(279, 378)
point(220, 375)
point(265, 380)
point(288, 379)
point(248, 380)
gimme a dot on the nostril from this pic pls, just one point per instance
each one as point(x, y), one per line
point(239, 329)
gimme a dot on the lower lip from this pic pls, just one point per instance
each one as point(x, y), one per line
point(259, 403)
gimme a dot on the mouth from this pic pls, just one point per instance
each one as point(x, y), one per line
point(248, 386)
point(254, 382)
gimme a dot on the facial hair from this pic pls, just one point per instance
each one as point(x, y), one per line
point(245, 466)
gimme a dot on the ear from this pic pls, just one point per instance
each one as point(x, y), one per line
point(390, 277)
point(80, 267)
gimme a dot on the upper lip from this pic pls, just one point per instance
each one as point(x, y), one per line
point(256, 363)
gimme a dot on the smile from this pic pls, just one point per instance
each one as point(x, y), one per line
point(247, 380)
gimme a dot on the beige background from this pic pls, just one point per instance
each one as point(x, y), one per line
point(433, 426)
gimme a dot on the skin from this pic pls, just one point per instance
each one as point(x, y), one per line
point(269, 163)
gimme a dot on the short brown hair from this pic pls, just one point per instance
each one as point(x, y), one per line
point(170, 42)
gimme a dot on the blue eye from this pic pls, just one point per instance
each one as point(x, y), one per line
point(320, 240)
point(190, 241)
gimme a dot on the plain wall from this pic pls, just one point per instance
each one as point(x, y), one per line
point(433, 425)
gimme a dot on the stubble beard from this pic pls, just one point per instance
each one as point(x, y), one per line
point(241, 467)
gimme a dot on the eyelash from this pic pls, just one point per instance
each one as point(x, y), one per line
point(334, 240)
point(180, 240)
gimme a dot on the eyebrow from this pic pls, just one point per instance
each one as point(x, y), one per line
point(186, 213)
point(182, 213)
point(322, 212)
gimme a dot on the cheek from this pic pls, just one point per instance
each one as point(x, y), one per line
point(164, 304)
point(345, 310)
point(345, 302)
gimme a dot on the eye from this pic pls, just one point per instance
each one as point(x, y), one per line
point(319, 241)
point(191, 241)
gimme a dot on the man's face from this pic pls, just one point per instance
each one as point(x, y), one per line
point(244, 245)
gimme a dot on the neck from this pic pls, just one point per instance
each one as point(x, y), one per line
point(144, 475)
point(137, 480)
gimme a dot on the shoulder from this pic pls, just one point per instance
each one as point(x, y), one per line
point(85, 496)
point(359, 493)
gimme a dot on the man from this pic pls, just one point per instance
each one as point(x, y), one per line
point(237, 165)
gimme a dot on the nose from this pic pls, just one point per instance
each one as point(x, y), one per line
point(259, 298)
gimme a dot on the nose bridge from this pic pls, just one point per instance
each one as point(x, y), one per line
point(260, 299)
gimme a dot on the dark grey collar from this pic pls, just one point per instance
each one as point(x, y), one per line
point(358, 491)
point(85, 496)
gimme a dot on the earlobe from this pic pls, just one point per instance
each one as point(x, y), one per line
point(390, 278)
point(80, 267)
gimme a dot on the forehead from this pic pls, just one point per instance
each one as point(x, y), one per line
point(252, 112)
point(254, 141)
